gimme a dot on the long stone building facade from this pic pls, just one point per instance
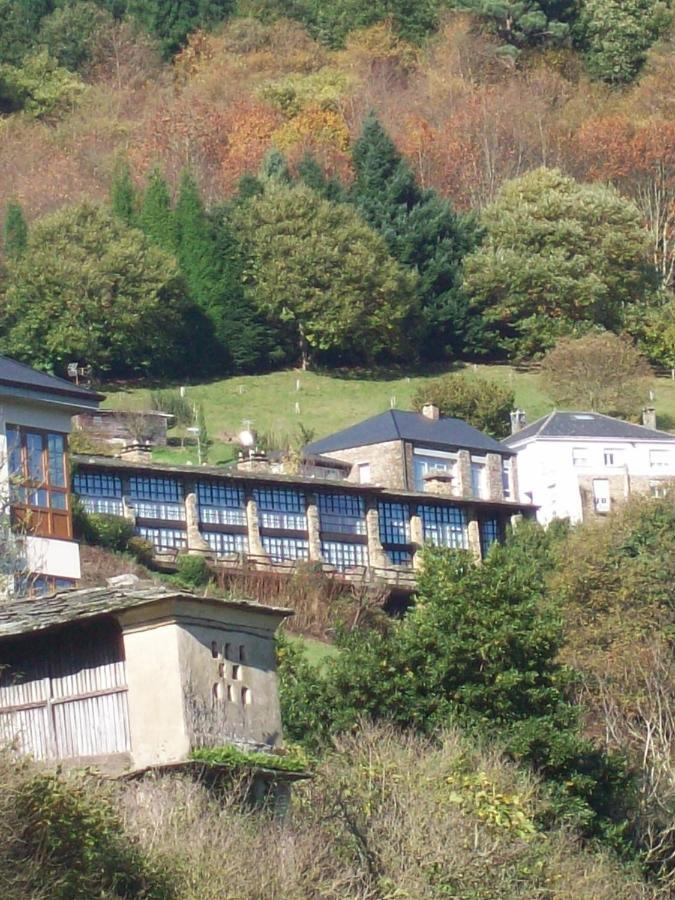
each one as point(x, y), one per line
point(271, 521)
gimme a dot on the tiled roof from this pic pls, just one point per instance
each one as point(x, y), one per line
point(585, 425)
point(17, 374)
point(397, 425)
point(25, 616)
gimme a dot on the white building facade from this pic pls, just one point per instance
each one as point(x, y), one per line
point(580, 465)
point(38, 551)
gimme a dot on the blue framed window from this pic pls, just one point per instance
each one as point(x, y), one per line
point(281, 508)
point(400, 557)
point(342, 513)
point(445, 526)
point(490, 533)
point(223, 544)
point(221, 504)
point(164, 538)
point(285, 549)
point(99, 492)
point(157, 498)
point(343, 555)
point(394, 523)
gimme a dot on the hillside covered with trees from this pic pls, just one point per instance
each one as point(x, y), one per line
point(239, 186)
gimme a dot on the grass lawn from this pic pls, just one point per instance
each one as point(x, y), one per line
point(316, 652)
point(279, 402)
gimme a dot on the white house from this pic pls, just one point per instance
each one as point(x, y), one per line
point(578, 465)
point(35, 419)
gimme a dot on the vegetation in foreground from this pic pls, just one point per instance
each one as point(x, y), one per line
point(386, 816)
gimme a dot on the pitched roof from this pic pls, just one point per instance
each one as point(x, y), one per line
point(17, 374)
point(400, 425)
point(38, 614)
point(585, 425)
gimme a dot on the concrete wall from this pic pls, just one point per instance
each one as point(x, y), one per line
point(157, 723)
point(191, 685)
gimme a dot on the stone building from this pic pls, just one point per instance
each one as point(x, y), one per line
point(424, 452)
point(269, 521)
point(124, 427)
point(579, 465)
point(137, 677)
point(35, 419)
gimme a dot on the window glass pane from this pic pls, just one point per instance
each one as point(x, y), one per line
point(14, 452)
point(279, 508)
point(57, 500)
point(285, 549)
point(224, 543)
point(36, 470)
point(489, 534)
point(342, 513)
point(445, 526)
point(344, 556)
point(394, 523)
point(221, 504)
point(57, 467)
point(164, 538)
point(97, 484)
point(168, 489)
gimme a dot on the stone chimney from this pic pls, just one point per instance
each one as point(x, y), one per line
point(429, 411)
point(518, 421)
point(439, 482)
point(140, 453)
point(649, 417)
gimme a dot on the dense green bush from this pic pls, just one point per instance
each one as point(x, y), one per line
point(103, 529)
point(193, 571)
point(62, 839)
point(483, 403)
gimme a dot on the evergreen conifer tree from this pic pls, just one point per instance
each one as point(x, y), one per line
point(123, 198)
point(312, 174)
point(275, 167)
point(423, 232)
point(156, 217)
point(15, 237)
point(211, 263)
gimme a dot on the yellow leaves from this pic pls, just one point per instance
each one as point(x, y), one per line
point(476, 793)
point(321, 126)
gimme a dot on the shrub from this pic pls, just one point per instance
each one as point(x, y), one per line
point(105, 530)
point(143, 551)
point(61, 838)
point(483, 403)
point(39, 86)
point(193, 571)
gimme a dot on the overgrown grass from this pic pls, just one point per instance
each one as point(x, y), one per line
point(327, 402)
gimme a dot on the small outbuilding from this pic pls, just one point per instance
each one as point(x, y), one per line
point(126, 678)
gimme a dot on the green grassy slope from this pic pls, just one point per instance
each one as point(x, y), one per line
point(328, 402)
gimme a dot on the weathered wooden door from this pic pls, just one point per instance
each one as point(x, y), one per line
point(64, 694)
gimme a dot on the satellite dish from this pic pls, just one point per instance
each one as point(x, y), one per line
point(246, 438)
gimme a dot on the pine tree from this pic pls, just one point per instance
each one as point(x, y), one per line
point(311, 173)
point(123, 199)
point(156, 217)
point(15, 236)
point(422, 232)
point(172, 20)
point(210, 260)
point(275, 168)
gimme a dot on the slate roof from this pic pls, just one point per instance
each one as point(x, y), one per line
point(26, 616)
point(401, 425)
point(17, 374)
point(586, 425)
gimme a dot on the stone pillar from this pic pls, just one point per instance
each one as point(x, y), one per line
point(417, 538)
point(513, 469)
point(474, 536)
point(313, 529)
point(376, 555)
point(255, 545)
point(464, 474)
point(493, 475)
point(128, 510)
point(196, 544)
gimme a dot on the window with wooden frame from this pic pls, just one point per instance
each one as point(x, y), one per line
point(38, 481)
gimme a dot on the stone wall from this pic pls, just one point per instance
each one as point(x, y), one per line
point(386, 460)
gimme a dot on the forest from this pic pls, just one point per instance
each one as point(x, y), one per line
point(232, 187)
